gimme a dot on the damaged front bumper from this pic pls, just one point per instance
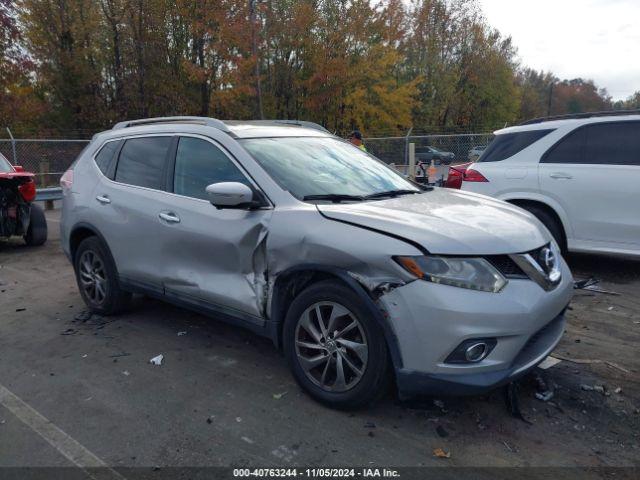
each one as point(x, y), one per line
point(430, 321)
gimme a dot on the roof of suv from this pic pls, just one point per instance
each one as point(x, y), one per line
point(571, 120)
point(235, 128)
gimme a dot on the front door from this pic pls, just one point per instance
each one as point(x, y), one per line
point(214, 257)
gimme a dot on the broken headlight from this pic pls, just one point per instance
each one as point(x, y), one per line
point(463, 272)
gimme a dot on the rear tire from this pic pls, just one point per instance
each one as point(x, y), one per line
point(359, 351)
point(37, 232)
point(552, 224)
point(97, 278)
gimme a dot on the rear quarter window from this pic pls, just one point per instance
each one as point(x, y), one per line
point(106, 155)
point(508, 144)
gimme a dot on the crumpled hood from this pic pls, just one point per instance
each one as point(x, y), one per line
point(446, 221)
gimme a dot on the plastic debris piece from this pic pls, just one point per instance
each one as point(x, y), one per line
point(586, 388)
point(589, 361)
point(157, 360)
point(126, 373)
point(549, 362)
point(181, 333)
point(618, 390)
point(440, 453)
point(512, 401)
point(278, 396)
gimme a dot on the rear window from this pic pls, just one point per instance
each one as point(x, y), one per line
point(142, 162)
point(508, 144)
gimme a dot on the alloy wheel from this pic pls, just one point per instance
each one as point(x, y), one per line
point(93, 277)
point(331, 346)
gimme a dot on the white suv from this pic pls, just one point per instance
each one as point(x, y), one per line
point(579, 174)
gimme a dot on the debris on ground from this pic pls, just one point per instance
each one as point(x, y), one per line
point(513, 402)
point(441, 431)
point(369, 425)
point(83, 316)
point(593, 388)
point(548, 363)
point(20, 309)
point(157, 360)
point(588, 361)
point(126, 373)
point(181, 333)
point(618, 390)
point(440, 453)
point(591, 284)
point(544, 388)
point(278, 396)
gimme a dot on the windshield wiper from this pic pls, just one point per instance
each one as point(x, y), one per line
point(392, 193)
point(334, 197)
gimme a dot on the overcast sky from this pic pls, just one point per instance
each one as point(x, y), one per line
point(596, 39)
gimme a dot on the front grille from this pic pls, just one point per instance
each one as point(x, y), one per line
point(506, 266)
point(535, 254)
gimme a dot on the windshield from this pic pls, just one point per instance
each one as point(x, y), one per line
point(310, 166)
point(5, 166)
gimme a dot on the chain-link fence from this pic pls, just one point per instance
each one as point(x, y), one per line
point(396, 149)
point(48, 159)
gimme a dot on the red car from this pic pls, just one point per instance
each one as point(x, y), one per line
point(18, 215)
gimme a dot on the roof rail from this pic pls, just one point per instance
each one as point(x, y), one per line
point(207, 121)
point(605, 113)
point(298, 123)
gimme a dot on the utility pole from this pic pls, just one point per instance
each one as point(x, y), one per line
point(550, 96)
point(254, 53)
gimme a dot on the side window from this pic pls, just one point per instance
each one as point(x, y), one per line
point(142, 162)
point(105, 156)
point(613, 143)
point(199, 164)
point(508, 144)
point(569, 149)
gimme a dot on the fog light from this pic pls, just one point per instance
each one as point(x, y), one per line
point(472, 350)
point(476, 352)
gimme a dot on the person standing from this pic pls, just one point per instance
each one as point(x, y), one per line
point(356, 138)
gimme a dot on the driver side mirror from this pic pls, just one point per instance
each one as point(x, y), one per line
point(232, 195)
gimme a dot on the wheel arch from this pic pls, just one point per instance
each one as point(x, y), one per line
point(82, 231)
point(289, 283)
point(548, 204)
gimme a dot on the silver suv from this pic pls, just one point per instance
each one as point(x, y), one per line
point(357, 274)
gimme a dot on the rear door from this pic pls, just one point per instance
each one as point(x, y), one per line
point(126, 203)
point(594, 174)
point(209, 256)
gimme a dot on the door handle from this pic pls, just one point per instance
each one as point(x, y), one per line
point(561, 175)
point(169, 217)
point(103, 199)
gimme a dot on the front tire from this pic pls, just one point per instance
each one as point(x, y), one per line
point(97, 278)
point(37, 232)
point(336, 351)
point(552, 224)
